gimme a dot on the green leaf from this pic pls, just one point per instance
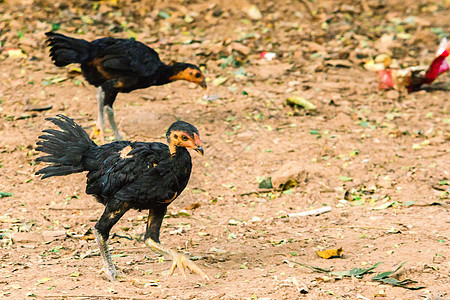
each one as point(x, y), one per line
point(356, 272)
point(163, 14)
point(359, 272)
point(119, 255)
point(5, 194)
point(56, 26)
point(266, 183)
point(386, 274)
point(183, 213)
point(440, 32)
point(312, 267)
point(341, 273)
point(384, 277)
point(403, 283)
point(345, 178)
point(409, 203)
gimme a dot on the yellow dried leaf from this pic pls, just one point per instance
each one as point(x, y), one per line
point(372, 66)
point(384, 59)
point(74, 70)
point(324, 279)
point(16, 53)
point(43, 280)
point(300, 101)
point(254, 13)
point(330, 253)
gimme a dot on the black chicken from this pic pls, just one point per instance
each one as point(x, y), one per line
point(117, 66)
point(124, 175)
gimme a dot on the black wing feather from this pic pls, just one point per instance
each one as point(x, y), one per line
point(134, 179)
point(127, 56)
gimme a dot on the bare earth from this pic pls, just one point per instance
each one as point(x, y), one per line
point(386, 153)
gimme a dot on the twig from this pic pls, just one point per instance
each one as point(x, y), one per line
point(313, 212)
point(260, 191)
point(365, 7)
point(308, 8)
point(358, 226)
point(63, 296)
point(68, 208)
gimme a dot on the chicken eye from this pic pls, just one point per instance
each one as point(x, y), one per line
point(197, 75)
point(184, 138)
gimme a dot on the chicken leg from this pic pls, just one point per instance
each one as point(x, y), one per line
point(112, 122)
point(99, 129)
point(101, 231)
point(179, 261)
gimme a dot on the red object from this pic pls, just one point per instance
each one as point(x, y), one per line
point(413, 78)
point(385, 79)
point(438, 66)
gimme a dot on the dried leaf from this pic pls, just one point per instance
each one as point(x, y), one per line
point(219, 81)
point(192, 206)
point(38, 108)
point(330, 253)
point(16, 53)
point(300, 101)
point(43, 280)
point(374, 67)
point(339, 63)
point(384, 205)
point(254, 13)
point(8, 219)
point(312, 267)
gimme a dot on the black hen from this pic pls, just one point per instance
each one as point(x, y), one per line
point(125, 175)
point(117, 66)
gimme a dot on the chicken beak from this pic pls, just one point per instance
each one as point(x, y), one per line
point(203, 84)
point(199, 149)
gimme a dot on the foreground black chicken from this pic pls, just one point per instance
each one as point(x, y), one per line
point(125, 175)
point(117, 66)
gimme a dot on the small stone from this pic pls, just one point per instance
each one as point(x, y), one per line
point(239, 48)
point(392, 94)
point(26, 237)
point(289, 171)
point(50, 236)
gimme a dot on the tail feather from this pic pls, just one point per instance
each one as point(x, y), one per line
point(58, 170)
point(66, 148)
point(65, 50)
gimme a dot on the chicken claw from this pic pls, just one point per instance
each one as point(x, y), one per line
point(182, 262)
point(97, 133)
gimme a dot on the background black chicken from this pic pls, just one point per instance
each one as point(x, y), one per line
point(124, 175)
point(117, 66)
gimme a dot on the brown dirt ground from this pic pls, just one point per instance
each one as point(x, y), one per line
point(401, 141)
